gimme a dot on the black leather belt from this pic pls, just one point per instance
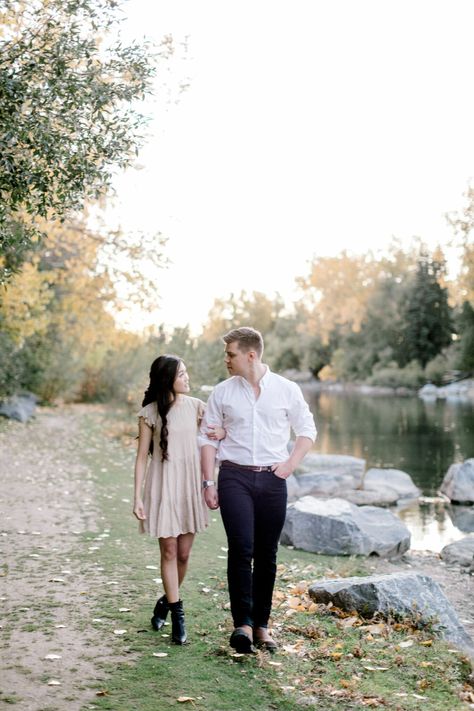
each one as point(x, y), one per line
point(246, 467)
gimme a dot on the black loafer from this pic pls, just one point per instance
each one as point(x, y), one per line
point(241, 642)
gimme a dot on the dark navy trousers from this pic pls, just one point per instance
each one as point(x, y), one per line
point(253, 509)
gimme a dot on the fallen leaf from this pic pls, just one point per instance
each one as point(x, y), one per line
point(294, 602)
point(119, 632)
point(347, 622)
point(407, 643)
point(185, 699)
point(426, 664)
point(375, 629)
point(376, 668)
point(427, 643)
point(418, 696)
point(275, 664)
point(160, 654)
point(299, 588)
point(103, 692)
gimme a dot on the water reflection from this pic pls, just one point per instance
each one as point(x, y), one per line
point(421, 437)
point(430, 525)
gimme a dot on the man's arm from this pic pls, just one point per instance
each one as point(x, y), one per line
point(302, 422)
point(208, 464)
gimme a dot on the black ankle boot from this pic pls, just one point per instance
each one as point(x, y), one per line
point(160, 613)
point(178, 630)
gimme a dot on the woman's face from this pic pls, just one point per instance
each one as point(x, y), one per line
point(181, 382)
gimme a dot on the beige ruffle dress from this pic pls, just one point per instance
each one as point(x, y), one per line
point(172, 495)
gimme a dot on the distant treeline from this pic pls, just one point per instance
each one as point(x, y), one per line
point(391, 320)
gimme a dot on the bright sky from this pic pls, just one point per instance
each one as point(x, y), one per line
point(308, 127)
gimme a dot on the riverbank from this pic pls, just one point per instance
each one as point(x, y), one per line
point(461, 390)
point(78, 584)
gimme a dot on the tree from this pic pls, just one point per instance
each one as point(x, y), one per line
point(426, 315)
point(66, 113)
point(463, 224)
point(466, 340)
point(256, 309)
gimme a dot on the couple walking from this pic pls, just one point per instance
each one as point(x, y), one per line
point(245, 426)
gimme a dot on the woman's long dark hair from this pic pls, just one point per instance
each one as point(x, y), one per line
point(163, 373)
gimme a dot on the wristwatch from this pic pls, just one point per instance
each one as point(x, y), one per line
point(208, 482)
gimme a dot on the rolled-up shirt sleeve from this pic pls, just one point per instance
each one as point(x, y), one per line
point(299, 414)
point(212, 417)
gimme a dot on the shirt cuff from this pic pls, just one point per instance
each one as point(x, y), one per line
point(205, 440)
point(310, 433)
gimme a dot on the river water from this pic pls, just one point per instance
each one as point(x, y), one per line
point(423, 438)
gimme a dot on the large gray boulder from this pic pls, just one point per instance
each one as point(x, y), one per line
point(458, 483)
point(19, 407)
point(397, 594)
point(340, 467)
point(337, 527)
point(391, 479)
point(343, 477)
point(322, 485)
point(461, 552)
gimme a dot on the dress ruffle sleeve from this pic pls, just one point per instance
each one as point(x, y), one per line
point(149, 414)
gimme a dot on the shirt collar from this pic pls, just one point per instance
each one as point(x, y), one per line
point(263, 382)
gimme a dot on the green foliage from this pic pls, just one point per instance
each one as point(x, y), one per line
point(411, 376)
point(426, 315)
point(466, 343)
point(66, 113)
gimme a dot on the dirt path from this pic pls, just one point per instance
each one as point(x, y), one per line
point(51, 578)
point(48, 657)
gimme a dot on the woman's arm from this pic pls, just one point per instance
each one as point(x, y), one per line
point(145, 434)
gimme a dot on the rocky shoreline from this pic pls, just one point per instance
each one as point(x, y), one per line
point(460, 390)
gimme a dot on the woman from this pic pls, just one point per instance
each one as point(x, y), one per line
point(172, 508)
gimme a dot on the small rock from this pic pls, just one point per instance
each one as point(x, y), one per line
point(460, 552)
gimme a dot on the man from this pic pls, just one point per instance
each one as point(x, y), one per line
point(256, 408)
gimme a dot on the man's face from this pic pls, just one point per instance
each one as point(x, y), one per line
point(237, 362)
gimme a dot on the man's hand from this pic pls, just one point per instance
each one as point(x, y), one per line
point(211, 498)
point(284, 469)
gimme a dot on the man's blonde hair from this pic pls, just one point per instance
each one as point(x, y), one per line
point(248, 339)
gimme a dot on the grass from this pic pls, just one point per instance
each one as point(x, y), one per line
point(327, 659)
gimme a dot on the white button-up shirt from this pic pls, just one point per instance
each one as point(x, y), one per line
point(257, 429)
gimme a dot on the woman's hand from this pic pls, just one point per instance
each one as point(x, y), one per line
point(139, 510)
point(215, 432)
